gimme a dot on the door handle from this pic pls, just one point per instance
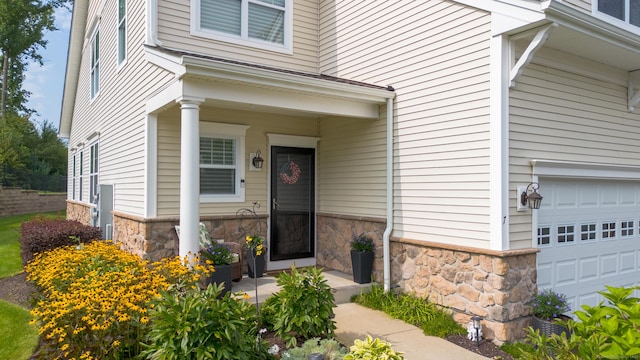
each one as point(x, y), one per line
point(274, 203)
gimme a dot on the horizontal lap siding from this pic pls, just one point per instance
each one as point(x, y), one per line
point(562, 116)
point(118, 112)
point(256, 185)
point(174, 32)
point(436, 55)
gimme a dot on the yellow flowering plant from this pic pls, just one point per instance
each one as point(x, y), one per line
point(256, 244)
point(95, 300)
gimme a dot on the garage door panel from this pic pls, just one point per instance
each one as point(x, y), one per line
point(592, 237)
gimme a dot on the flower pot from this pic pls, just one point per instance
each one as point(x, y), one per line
point(255, 269)
point(221, 275)
point(362, 266)
point(548, 327)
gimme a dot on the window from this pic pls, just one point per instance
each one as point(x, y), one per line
point(626, 228)
point(222, 162)
point(80, 176)
point(260, 23)
point(95, 64)
point(587, 232)
point(122, 31)
point(608, 230)
point(544, 235)
point(74, 177)
point(93, 173)
point(623, 10)
point(565, 234)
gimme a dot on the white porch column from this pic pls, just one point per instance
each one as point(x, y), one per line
point(189, 176)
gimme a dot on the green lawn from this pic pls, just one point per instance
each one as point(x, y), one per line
point(10, 260)
point(18, 339)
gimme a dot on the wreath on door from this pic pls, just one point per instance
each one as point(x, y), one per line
point(290, 173)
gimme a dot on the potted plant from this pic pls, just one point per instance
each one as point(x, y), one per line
point(255, 255)
point(362, 258)
point(548, 308)
point(220, 256)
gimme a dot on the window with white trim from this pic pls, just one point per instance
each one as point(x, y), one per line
point(627, 11)
point(608, 229)
point(627, 228)
point(93, 173)
point(122, 31)
point(95, 64)
point(260, 23)
point(222, 162)
point(74, 178)
point(565, 234)
point(544, 235)
point(80, 165)
point(588, 232)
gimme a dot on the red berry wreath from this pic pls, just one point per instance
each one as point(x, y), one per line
point(290, 173)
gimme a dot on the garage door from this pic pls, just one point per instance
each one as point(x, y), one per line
point(589, 236)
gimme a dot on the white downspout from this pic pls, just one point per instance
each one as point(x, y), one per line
point(386, 257)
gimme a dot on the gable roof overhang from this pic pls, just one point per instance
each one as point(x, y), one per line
point(234, 84)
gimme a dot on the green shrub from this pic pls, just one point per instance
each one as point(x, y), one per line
point(372, 349)
point(609, 331)
point(329, 348)
point(201, 324)
point(303, 308)
point(413, 310)
point(42, 234)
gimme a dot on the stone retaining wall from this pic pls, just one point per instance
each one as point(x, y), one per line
point(492, 284)
point(15, 201)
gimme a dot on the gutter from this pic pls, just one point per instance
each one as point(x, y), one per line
point(386, 257)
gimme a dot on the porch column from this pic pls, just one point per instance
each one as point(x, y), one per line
point(189, 176)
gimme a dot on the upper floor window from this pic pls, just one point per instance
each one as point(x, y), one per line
point(222, 162)
point(264, 24)
point(122, 31)
point(624, 10)
point(95, 64)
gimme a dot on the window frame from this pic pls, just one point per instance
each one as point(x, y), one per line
point(94, 170)
point(80, 175)
point(623, 23)
point(94, 65)
point(243, 38)
point(74, 175)
point(121, 27)
point(226, 131)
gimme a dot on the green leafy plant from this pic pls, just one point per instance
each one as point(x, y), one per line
point(255, 244)
point(433, 320)
point(217, 254)
point(329, 348)
point(361, 243)
point(549, 305)
point(372, 349)
point(303, 308)
point(201, 324)
point(610, 331)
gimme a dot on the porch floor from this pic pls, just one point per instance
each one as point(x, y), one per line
point(342, 286)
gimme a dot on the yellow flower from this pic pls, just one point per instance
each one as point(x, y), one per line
point(246, 296)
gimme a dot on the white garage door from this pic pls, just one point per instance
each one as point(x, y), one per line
point(589, 236)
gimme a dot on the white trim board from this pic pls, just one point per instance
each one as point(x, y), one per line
point(548, 168)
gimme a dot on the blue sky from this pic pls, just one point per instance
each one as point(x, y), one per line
point(46, 82)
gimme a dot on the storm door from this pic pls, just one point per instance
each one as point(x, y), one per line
point(292, 203)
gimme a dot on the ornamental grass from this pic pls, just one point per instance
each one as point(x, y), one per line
point(95, 299)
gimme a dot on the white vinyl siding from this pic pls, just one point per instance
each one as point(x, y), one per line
point(174, 32)
point(256, 182)
point(122, 31)
point(570, 115)
point(119, 113)
point(436, 55)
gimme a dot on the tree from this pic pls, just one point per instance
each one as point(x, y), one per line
point(22, 27)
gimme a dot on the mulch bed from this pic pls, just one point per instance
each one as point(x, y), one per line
point(17, 290)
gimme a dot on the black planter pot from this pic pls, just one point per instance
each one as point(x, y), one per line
point(257, 269)
point(548, 327)
point(221, 275)
point(362, 266)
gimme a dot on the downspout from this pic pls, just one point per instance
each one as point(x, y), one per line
point(386, 257)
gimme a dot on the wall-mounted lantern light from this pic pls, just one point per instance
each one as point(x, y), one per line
point(529, 196)
point(256, 160)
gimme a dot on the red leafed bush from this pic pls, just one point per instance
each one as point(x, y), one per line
point(42, 234)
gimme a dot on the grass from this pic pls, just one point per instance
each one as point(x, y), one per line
point(430, 318)
point(10, 260)
point(18, 338)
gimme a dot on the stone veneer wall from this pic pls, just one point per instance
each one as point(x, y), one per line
point(334, 236)
point(496, 285)
point(79, 211)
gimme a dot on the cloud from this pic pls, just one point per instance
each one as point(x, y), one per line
point(63, 18)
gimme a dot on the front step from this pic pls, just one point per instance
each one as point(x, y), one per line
point(342, 286)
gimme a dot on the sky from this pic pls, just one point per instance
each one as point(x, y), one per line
point(46, 82)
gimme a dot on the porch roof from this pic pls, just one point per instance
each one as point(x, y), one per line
point(235, 84)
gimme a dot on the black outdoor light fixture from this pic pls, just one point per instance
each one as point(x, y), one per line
point(257, 160)
point(476, 325)
point(531, 196)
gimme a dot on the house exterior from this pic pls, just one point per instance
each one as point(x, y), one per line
point(419, 123)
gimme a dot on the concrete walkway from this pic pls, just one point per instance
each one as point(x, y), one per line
point(356, 322)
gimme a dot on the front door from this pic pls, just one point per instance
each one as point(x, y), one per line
point(292, 217)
